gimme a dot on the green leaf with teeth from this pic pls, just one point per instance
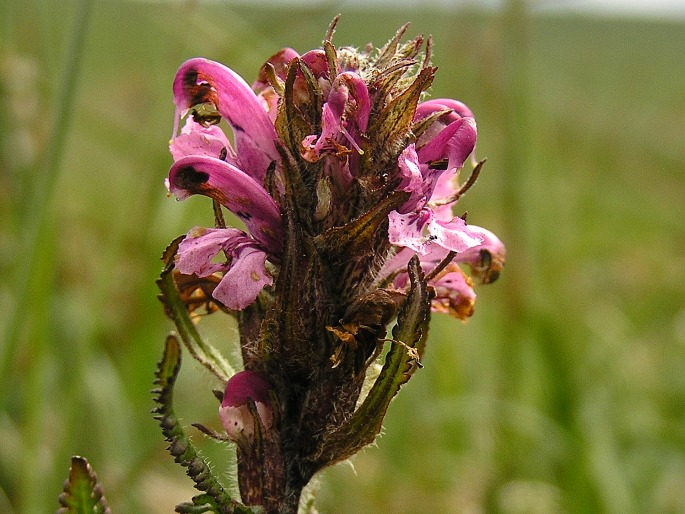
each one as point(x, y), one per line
point(82, 491)
point(393, 123)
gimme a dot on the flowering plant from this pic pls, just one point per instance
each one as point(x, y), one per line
point(345, 182)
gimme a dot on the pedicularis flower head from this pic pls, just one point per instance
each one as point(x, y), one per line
point(345, 180)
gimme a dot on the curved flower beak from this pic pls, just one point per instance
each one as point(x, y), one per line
point(201, 81)
point(235, 190)
point(279, 62)
point(487, 259)
point(453, 144)
point(459, 109)
point(345, 116)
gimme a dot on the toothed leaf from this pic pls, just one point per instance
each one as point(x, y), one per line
point(393, 122)
point(82, 491)
point(389, 50)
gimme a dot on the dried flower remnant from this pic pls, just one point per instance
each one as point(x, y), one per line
point(345, 182)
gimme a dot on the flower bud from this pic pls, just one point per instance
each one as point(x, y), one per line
point(235, 411)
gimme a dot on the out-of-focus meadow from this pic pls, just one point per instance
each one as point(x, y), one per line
point(564, 393)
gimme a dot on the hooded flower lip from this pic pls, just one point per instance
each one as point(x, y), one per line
point(487, 259)
point(235, 190)
point(454, 143)
point(201, 81)
point(279, 62)
point(459, 109)
point(448, 111)
point(241, 388)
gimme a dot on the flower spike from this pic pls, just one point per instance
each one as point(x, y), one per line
point(345, 178)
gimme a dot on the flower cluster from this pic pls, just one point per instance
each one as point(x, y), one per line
point(345, 182)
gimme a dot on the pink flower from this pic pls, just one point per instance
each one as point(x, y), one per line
point(206, 164)
point(245, 273)
point(345, 183)
point(345, 117)
point(426, 225)
point(427, 169)
point(200, 81)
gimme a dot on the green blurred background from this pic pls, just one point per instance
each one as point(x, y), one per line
point(564, 393)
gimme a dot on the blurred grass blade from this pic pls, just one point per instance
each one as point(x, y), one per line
point(39, 205)
point(29, 309)
point(82, 491)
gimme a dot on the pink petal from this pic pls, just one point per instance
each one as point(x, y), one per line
point(235, 190)
point(196, 139)
point(428, 107)
point(245, 273)
point(489, 242)
point(454, 293)
point(234, 411)
point(200, 81)
point(454, 143)
point(317, 62)
point(345, 116)
point(197, 251)
point(411, 179)
point(246, 277)
point(396, 263)
point(421, 230)
point(279, 61)
point(486, 266)
point(243, 386)
point(453, 235)
point(358, 98)
point(407, 229)
point(446, 187)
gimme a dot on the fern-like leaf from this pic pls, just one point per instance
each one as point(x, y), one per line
point(214, 498)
